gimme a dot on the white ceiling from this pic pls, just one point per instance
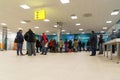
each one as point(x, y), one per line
point(11, 14)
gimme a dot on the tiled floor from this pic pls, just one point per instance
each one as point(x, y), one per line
point(71, 66)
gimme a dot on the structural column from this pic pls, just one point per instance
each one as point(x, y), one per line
point(59, 24)
point(58, 34)
point(4, 38)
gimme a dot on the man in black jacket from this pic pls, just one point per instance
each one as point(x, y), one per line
point(30, 38)
point(93, 42)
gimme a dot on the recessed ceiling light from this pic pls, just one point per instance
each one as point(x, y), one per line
point(80, 29)
point(36, 27)
point(105, 28)
point(65, 1)
point(24, 6)
point(63, 30)
point(19, 28)
point(55, 26)
point(108, 21)
point(46, 20)
point(47, 31)
point(23, 22)
point(78, 24)
point(115, 12)
point(3, 24)
point(73, 17)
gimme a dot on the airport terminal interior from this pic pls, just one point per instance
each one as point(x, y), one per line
point(60, 40)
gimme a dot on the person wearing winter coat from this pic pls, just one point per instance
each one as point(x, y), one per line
point(30, 38)
point(19, 40)
point(93, 43)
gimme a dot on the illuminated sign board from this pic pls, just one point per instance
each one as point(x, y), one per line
point(40, 14)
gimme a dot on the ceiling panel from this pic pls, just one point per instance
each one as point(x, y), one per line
point(100, 10)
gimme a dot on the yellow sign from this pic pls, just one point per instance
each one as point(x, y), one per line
point(39, 15)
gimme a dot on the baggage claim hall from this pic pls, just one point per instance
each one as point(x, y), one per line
point(60, 40)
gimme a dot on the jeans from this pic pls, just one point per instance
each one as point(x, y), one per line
point(31, 48)
point(19, 48)
point(93, 49)
point(37, 49)
point(44, 50)
point(66, 48)
point(101, 48)
point(79, 48)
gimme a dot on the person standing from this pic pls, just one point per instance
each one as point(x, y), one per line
point(54, 45)
point(37, 45)
point(75, 45)
point(93, 43)
point(30, 38)
point(101, 44)
point(83, 46)
point(43, 42)
point(70, 46)
point(79, 45)
point(46, 47)
point(19, 40)
point(66, 45)
point(51, 45)
point(61, 45)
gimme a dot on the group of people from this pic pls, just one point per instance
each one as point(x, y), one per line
point(30, 38)
point(43, 45)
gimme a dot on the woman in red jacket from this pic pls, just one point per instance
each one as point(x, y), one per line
point(51, 45)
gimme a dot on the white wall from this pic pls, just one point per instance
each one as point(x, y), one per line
point(10, 40)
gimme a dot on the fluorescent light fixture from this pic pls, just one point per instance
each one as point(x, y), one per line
point(55, 26)
point(108, 22)
point(23, 22)
point(114, 31)
point(115, 12)
point(74, 17)
point(68, 33)
point(65, 1)
point(102, 31)
point(78, 24)
point(54, 34)
point(36, 27)
point(3, 24)
point(24, 6)
point(63, 30)
point(46, 20)
point(47, 31)
point(19, 28)
point(80, 29)
point(83, 32)
point(105, 28)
